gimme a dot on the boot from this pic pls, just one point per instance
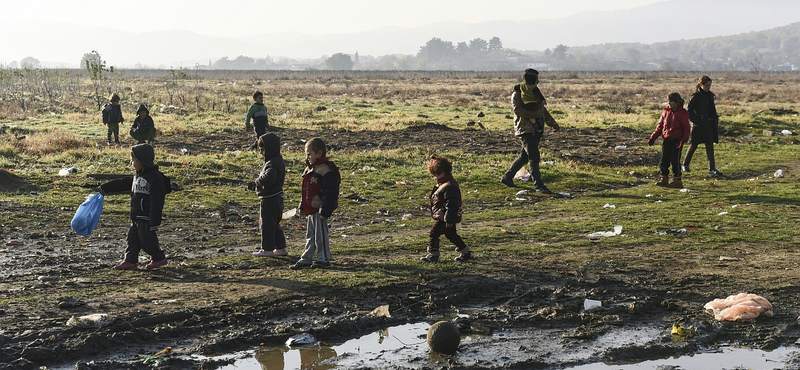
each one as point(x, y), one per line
point(430, 258)
point(676, 183)
point(663, 181)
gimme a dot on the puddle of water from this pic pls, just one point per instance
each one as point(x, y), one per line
point(410, 338)
point(722, 358)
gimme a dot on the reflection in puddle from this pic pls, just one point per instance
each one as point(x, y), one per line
point(721, 358)
point(409, 337)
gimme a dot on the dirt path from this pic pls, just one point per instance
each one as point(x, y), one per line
point(211, 307)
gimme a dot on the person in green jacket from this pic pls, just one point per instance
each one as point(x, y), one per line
point(258, 113)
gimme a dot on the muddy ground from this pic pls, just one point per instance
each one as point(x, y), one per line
point(213, 308)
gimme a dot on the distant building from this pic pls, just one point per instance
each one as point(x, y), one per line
point(538, 66)
point(785, 67)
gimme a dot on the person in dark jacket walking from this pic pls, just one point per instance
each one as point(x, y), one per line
point(446, 210)
point(320, 197)
point(112, 117)
point(269, 188)
point(673, 125)
point(258, 113)
point(143, 129)
point(530, 116)
point(148, 188)
point(705, 124)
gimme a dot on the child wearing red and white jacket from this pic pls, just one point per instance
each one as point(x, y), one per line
point(674, 127)
point(320, 197)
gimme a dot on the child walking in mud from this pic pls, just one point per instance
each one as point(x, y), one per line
point(320, 197)
point(446, 210)
point(112, 117)
point(673, 125)
point(258, 113)
point(269, 188)
point(148, 189)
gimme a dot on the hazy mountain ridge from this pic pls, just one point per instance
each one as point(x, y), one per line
point(656, 23)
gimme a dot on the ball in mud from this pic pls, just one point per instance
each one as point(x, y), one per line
point(444, 337)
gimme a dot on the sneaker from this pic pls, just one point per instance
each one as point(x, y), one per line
point(125, 265)
point(430, 258)
point(663, 181)
point(320, 265)
point(300, 265)
point(464, 257)
point(543, 189)
point(714, 172)
point(272, 253)
point(685, 168)
point(109, 143)
point(157, 264)
point(508, 182)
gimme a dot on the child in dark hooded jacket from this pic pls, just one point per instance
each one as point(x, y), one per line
point(148, 188)
point(269, 188)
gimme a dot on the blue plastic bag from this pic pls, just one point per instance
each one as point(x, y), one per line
point(88, 215)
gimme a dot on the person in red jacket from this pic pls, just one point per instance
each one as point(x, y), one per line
point(674, 127)
point(445, 210)
point(320, 197)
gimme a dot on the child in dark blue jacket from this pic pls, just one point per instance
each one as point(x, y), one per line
point(269, 188)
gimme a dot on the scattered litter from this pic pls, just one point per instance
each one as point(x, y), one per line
point(382, 311)
point(680, 332)
point(779, 174)
point(165, 301)
point(184, 151)
point(302, 338)
point(407, 216)
point(522, 192)
point(66, 171)
point(649, 195)
point(356, 197)
point(523, 175)
point(609, 206)
point(621, 147)
point(591, 304)
point(725, 258)
point(739, 307)
point(684, 190)
point(289, 214)
point(565, 194)
point(672, 232)
point(722, 213)
point(786, 132)
point(368, 168)
point(97, 320)
point(606, 234)
point(14, 243)
point(403, 182)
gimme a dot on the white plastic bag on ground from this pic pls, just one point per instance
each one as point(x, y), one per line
point(606, 234)
point(523, 175)
point(740, 307)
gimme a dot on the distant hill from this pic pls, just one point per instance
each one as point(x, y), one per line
point(773, 49)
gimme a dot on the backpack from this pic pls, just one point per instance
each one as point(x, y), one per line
point(106, 113)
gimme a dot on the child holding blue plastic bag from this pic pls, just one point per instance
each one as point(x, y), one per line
point(148, 189)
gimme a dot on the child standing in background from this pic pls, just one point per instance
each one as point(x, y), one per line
point(112, 117)
point(320, 197)
point(269, 188)
point(445, 209)
point(674, 127)
point(258, 113)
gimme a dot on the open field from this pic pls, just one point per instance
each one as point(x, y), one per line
point(535, 265)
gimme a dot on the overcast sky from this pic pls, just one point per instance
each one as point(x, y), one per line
point(248, 17)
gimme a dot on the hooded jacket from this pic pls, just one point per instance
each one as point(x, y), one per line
point(446, 200)
point(273, 174)
point(672, 125)
point(321, 188)
point(148, 188)
point(143, 126)
point(703, 114)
